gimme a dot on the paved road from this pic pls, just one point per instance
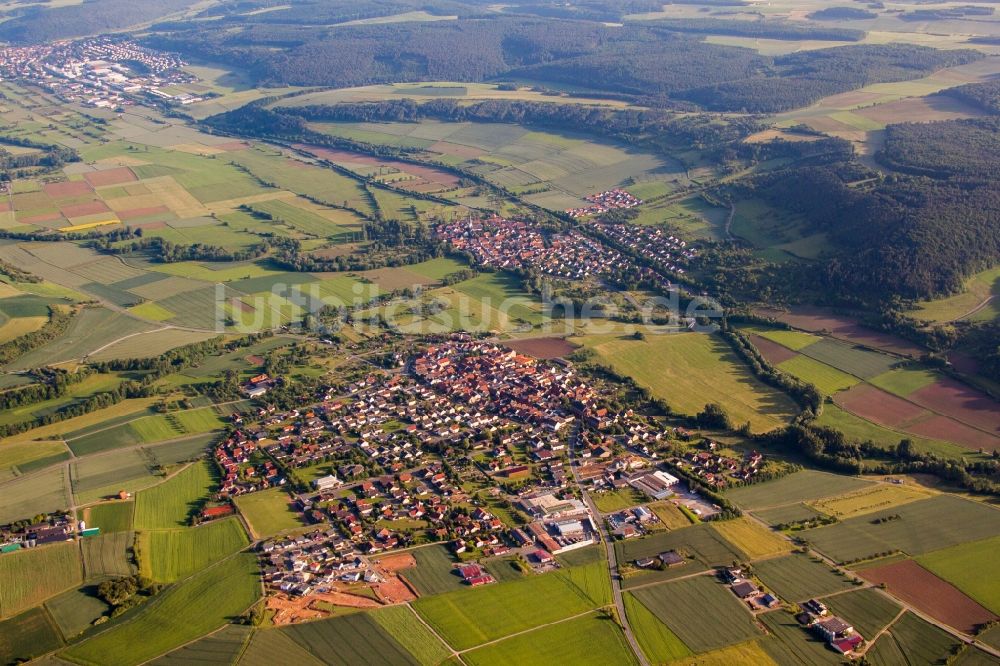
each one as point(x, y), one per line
point(609, 547)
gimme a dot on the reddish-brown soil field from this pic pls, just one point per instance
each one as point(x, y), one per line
point(544, 348)
point(917, 586)
point(150, 225)
point(110, 177)
point(254, 360)
point(878, 406)
point(38, 219)
point(816, 319)
point(4, 206)
point(31, 201)
point(89, 208)
point(458, 150)
point(950, 430)
point(961, 402)
point(964, 363)
point(74, 188)
point(134, 213)
point(397, 562)
point(772, 351)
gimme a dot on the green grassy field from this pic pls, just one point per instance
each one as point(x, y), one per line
point(20, 457)
point(963, 566)
point(797, 577)
point(269, 512)
point(591, 639)
point(684, 605)
point(434, 572)
point(470, 617)
point(171, 503)
point(30, 634)
point(852, 360)
point(20, 585)
point(349, 639)
point(869, 610)
point(787, 514)
point(979, 288)
point(858, 429)
point(702, 542)
point(797, 487)
point(106, 555)
point(402, 623)
point(168, 555)
point(794, 340)
point(222, 647)
point(658, 643)
point(110, 517)
point(689, 370)
point(75, 610)
point(922, 527)
point(176, 616)
point(904, 381)
point(827, 379)
point(269, 647)
point(616, 500)
point(176, 424)
point(912, 641)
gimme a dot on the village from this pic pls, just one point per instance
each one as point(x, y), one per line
point(616, 199)
point(100, 72)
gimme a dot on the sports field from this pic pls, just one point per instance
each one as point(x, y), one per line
point(591, 639)
point(177, 615)
point(168, 555)
point(171, 503)
point(20, 585)
point(683, 605)
point(269, 512)
point(689, 370)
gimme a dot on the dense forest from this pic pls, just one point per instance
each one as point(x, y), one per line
point(654, 63)
point(42, 24)
point(985, 95)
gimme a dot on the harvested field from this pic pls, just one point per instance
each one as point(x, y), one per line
point(961, 402)
point(75, 610)
point(818, 320)
point(70, 188)
point(874, 498)
point(919, 109)
point(915, 585)
point(544, 348)
point(110, 177)
point(879, 407)
point(81, 209)
point(753, 539)
point(772, 351)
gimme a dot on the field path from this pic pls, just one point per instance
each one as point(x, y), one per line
point(528, 631)
point(885, 629)
point(984, 304)
point(124, 337)
point(454, 653)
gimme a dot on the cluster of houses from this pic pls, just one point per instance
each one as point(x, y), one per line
point(837, 633)
point(632, 523)
point(747, 590)
point(721, 471)
point(56, 527)
point(604, 201)
point(665, 560)
point(244, 468)
point(653, 243)
point(99, 72)
point(313, 562)
point(515, 244)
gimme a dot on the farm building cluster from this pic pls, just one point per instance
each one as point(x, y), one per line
point(99, 71)
point(837, 633)
point(602, 202)
point(45, 529)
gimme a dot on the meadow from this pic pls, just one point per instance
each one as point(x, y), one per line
point(171, 503)
point(268, 512)
point(169, 555)
point(30, 634)
point(790, 513)
point(434, 573)
point(793, 488)
point(176, 616)
point(852, 360)
point(689, 370)
point(921, 527)
point(798, 577)
point(658, 643)
point(977, 302)
point(402, 623)
point(74, 611)
point(827, 379)
point(20, 585)
point(591, 639)
point(469, 617)
point(683, 606)
point(21, 457)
